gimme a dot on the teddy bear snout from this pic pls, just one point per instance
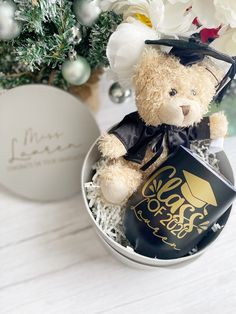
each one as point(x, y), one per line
point(186, 105)
point(186, 110)
point(182, 111)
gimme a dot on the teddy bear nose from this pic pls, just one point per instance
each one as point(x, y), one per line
point(185, 110)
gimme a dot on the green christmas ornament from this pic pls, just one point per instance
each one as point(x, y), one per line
point(86, 11)
point(76, 72)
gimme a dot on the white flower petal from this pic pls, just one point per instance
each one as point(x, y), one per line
point(178, 1)
point(156, 13)
point(177, 20)
point(226, 11)
point(107, 5)
point(206, 13)
point(226, 43)
point(125, 47)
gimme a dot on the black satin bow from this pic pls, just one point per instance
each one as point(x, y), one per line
point(174, 137)
point(137, 137)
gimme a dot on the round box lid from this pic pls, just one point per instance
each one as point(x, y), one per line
point(45, 134)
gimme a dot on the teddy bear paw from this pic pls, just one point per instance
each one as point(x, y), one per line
point(114, 191)
point(110, 146)
point(118, 182)
point(218, 125)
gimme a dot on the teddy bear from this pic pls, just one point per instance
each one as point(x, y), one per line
point(172, 100)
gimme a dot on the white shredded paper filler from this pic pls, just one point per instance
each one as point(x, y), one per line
point(109, 217)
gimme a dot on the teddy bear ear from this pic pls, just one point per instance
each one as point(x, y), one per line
point(211, 70)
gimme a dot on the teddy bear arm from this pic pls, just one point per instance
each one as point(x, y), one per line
point(212, 127)
point(110, 146)
point(218, 125)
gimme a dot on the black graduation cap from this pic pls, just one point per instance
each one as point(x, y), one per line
point(192, 51)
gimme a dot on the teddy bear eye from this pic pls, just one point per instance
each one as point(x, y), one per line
point(173, 92)
point(194, 93)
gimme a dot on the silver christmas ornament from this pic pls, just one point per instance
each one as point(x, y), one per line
point(76, 35)
point(76, 72)
point(118, 94)
point(86, 11)
point(9, 27)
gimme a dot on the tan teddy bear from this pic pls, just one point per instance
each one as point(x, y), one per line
point(169, 96)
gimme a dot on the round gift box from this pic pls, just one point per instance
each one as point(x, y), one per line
point(45, 133)
point(126, 254)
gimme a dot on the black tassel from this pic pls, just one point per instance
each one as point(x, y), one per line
point(224, 86)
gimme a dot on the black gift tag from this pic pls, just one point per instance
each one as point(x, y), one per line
point(175, 207)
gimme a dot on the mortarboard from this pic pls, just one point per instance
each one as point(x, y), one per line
point(191, 52)
point(198, 191)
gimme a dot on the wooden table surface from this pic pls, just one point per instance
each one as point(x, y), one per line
point(51, 261)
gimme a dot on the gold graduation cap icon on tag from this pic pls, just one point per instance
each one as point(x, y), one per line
point(197, 191)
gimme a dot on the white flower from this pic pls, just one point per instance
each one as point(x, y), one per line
point(206, 13)
point(226, 11)
point(125, 47)
point(144, 19)
point(154, 19)
point(148, 8)
point(177, 20)
point(106, 5)
point(178, 1)
point(213, 13)
point(153, 10)
point(166, 18)
point(226, 43)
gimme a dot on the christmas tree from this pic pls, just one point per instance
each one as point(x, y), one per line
point(56, 42)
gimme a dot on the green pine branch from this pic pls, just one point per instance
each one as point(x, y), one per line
point(99, 36)
point(46, 40)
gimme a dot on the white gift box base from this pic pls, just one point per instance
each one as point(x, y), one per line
point(127, 255)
